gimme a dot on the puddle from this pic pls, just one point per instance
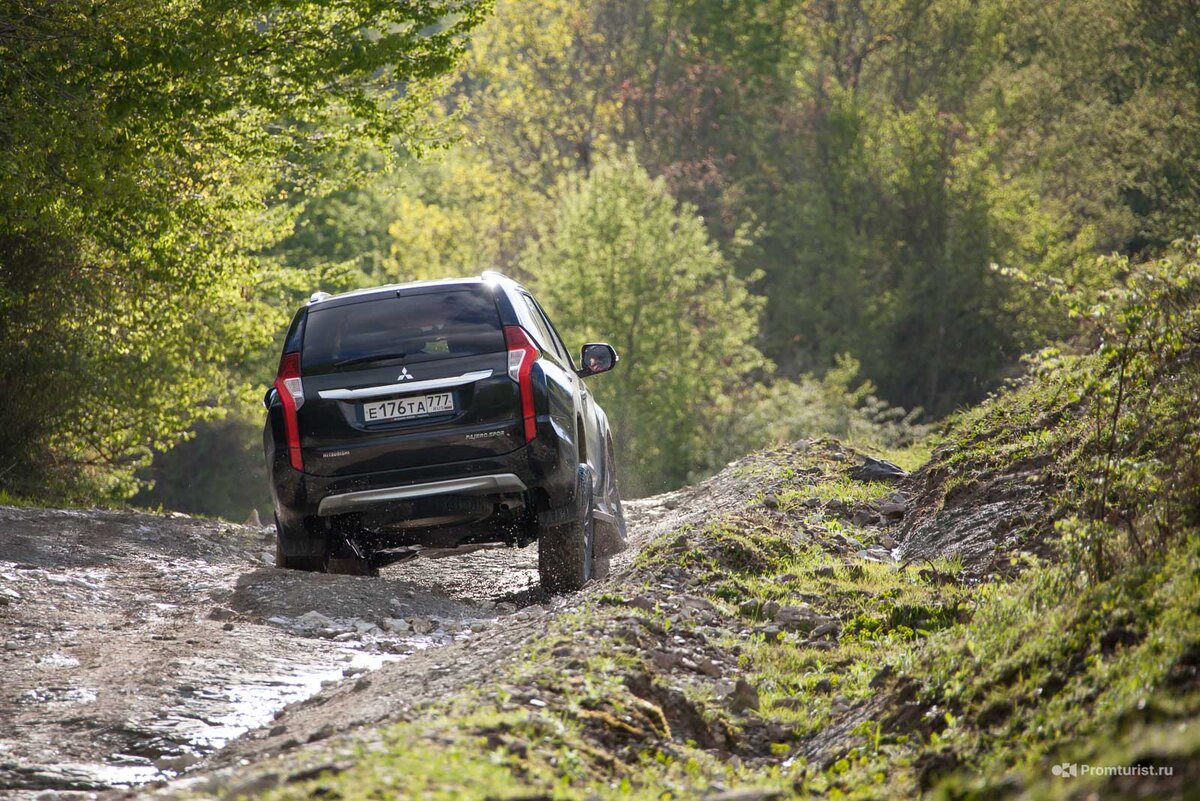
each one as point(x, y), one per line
point(207, 712)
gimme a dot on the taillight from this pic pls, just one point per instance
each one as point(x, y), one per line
point(522, 353)
point(291, 394)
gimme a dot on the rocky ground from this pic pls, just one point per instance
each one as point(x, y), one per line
point(138, 647)
point(135, 645)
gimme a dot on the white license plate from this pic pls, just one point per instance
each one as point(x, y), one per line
point(404, 408)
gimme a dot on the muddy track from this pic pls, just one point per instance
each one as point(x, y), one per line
point(134, 646)
point(145, 649)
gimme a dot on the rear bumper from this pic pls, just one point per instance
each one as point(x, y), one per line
point(543, 465)
point(498, 484)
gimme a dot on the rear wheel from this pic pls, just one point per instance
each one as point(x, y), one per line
point(302, 549)
point(565, 549)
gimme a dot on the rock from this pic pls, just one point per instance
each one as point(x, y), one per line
point(252, 786)
point(744, 696)
point(888, 541)
point(824, 629)
point(314, 620)
point(820, 645)
point(877, 470)
point(365, 627)
point(353, 670)
point(864, 517)
point(770, 501)
point(709, 668)
point(641, 602)
point(800, 618)
point(825, 571)
point(747, 794)
point(479, 626)
point(396, 625)
point(267, 557)
point(791, 703)
point(770, 609)
point(281, 622)
point(770, 633)
point(505, 608)
point(881, 676)
point(699, 604)
point(227, 626)
point(823, 686)
point(723, 689)
point(222, 613)
point(396, 604)
point(323, 733)
point(893, 509)
point(664, 660)
point(345, 636)
point(421, 625)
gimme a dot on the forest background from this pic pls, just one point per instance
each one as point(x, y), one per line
point(790, 218)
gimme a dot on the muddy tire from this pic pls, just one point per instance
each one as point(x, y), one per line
point(565, 550)
point(300, 550)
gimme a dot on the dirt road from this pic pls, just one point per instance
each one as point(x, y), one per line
point(137, 646)
point(134, 645)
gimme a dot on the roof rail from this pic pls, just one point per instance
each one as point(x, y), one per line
point(317, 297)
point(494, 275)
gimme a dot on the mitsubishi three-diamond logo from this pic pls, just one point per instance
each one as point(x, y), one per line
point(404, 375)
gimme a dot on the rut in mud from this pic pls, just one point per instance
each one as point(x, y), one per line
point(134, 645)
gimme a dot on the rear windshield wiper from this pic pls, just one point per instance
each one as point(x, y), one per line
point(375, 357)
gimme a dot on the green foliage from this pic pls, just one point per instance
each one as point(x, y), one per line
point(622, 262)
point(149, 152)
point(882, 156)
point(838, 405)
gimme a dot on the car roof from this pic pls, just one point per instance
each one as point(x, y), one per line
point(324, 299)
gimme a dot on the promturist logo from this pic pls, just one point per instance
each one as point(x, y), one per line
point(1072, 769)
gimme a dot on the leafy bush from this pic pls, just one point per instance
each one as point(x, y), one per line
point(621, 261)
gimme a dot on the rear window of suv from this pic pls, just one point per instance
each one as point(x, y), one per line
point(410, 328)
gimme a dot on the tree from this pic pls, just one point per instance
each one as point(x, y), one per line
point(142, 155)
point(621, 261)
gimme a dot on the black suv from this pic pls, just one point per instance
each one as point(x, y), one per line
point(437, 417)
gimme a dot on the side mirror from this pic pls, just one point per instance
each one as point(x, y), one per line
point(596, 357)
point(268, 397)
